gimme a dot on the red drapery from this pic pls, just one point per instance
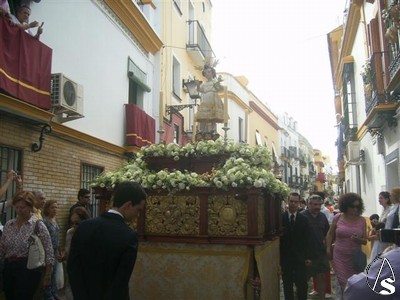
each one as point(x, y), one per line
point(25, 66)
point(140, 127)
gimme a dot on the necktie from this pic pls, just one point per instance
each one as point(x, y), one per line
point(291, 220)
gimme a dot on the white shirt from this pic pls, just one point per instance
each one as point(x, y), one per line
point(290, 214)
point(327, 213)
point(113, 211)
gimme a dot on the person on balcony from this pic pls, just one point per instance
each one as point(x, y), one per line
point(22, 21)
point(5, 9)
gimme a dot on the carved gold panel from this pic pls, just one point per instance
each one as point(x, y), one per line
point(227, 216)
point(172, 214)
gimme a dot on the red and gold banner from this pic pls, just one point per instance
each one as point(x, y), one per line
point(140, 127)
point(25, 66)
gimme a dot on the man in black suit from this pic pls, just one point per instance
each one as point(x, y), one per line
point(295, 250)
point(103, 250)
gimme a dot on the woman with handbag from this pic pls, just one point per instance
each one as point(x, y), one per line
point(50, 210)
point(347, 232)
point(21, 283)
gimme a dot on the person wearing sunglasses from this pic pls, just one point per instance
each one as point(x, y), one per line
point(347, 233)
point(83, 201)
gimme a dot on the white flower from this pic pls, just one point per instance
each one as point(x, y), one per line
point(245, 166)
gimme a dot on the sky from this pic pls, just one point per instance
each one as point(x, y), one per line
point(281, 48)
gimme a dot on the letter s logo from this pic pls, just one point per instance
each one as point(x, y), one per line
point(386, 284)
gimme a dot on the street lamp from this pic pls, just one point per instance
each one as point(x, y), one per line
point(191, 86)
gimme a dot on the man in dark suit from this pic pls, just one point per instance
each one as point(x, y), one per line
point(295, 250)
point(103, 250)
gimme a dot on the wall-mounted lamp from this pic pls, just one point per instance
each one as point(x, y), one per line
point(191, 86)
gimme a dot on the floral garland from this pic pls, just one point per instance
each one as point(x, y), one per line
point(246, 167)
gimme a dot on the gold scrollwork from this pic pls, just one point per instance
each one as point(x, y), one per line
point(227, 216)
point(176, 214)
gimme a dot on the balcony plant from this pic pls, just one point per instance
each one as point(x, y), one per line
point(244, 167)
point(368, 77)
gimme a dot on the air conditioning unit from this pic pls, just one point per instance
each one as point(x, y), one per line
point(66, 96)
point(353, 151)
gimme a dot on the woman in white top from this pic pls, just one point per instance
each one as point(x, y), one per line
point(378, 246)
point(392, 220)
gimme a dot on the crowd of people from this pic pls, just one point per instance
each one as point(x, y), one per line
point(85, 255)
point(321, 239)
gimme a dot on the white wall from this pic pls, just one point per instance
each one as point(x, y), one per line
point(90, 48)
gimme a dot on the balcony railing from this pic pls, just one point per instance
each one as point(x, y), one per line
point(373, 86)
point(198, 39)
point(293, 152)
point(25, 65)
point(284, 152)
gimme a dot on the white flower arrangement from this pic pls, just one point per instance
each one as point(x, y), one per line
point(245, 167)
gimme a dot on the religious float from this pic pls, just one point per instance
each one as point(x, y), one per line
point(212, 220)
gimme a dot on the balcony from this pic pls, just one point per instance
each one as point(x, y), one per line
point(140, 127)
point(311, 168)
point(321, 177)
point(377, 100)
point(293, 152)
point(25, 65)
point(284, 153)
point(198, 45)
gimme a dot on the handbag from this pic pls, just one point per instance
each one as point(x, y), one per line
point(59, 275)
point(36, 254)
point(359, 261)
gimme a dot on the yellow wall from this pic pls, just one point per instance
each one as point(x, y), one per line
point(268, 128)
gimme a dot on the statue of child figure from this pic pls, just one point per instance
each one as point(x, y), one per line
point(211, 109)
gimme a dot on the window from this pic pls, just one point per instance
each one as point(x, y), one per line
point(349, 103)
point(258, 138)
point(176, 78)
point(10, 159)
point(176, 134)
point(88, 174)
point(266, 141)
point(178, 6)
point(241, 130)
point(137, 84)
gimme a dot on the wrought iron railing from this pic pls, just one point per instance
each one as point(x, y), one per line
point(198, 39)
point(373, 94)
